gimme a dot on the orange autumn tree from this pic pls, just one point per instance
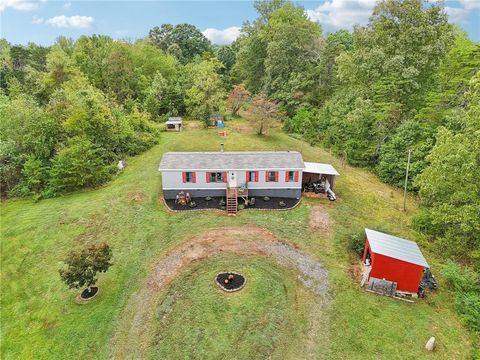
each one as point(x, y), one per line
point(264, 113)
point(237, 97)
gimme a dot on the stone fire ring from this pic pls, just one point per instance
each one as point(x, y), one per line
point(236, 284)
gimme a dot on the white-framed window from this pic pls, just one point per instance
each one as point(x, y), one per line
point(290, 176)
point(271, 176)
point(216, 177)
point(189, 177)
point(252, 176)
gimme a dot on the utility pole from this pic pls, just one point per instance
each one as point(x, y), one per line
point(406, 181)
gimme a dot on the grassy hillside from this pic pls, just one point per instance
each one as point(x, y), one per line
point(41, 320)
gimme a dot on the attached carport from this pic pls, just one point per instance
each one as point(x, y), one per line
point(313, 172)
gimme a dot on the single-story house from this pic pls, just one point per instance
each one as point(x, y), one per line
point(174, 124)
point(234, 174)
point(395, 260)
point(261, 173)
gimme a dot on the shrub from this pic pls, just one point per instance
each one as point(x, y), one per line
point(241, 207)
point(466, 284)
point(302, 120)
point(222, 203)
point(282, 204)
point(79, 165)
point(266, 198)
point(208, 198)
point(357, 242)
point(192, 204)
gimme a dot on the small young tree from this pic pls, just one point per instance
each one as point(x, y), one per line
point(237, 97)
point(265, 113)
point(83, 266)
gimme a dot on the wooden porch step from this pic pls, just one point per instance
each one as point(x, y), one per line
point(232, 201)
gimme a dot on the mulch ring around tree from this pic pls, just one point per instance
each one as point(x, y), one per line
point(261, 203)
point(87, 295)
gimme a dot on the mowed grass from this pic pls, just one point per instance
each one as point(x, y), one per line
point(196, 319)
point(39, 316)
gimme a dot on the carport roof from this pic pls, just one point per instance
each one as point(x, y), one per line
point(395, 247)
point(318, 168)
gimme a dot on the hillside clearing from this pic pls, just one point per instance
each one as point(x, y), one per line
point(40, 318)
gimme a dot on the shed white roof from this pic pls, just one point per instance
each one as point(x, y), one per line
point(242, 160)
point(174, 121)
point(318, 168)
point(395, 247)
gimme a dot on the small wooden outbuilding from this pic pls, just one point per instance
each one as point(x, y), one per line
point(174, 124)
point(395, 260)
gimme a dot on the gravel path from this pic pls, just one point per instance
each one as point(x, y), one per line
point(135, 327)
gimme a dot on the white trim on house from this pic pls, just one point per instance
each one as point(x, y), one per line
point(223, 170)
point(223, 188)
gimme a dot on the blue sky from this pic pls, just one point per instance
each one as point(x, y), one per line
point(42, 21)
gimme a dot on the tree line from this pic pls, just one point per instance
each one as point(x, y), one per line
point(70, 111)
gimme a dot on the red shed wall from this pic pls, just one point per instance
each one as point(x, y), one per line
point(407, 275)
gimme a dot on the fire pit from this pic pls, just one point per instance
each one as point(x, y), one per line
point(230, 281)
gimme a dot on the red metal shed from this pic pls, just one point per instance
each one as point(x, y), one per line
point(394, 259)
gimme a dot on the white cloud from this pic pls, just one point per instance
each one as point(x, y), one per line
point(455, 14)
point(342, 14)
point(37, 20)
point(460, 14)
point(67, 5)
point(22, 5)
point(222, 37)
point(79, 22)
point(470, 4)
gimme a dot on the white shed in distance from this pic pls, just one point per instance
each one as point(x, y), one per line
point(174, 124)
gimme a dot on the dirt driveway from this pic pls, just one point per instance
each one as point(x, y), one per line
point(320, 219)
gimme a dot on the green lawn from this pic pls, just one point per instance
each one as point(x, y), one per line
point(40, 319)
point(195, 319)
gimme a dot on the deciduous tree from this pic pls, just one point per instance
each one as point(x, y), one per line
point(187, 37)
point(206, 96)
point(237, 97)
point(264, 114)
point(84, 265)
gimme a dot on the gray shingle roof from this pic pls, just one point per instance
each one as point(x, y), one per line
point(257, 160)
point(395, 247)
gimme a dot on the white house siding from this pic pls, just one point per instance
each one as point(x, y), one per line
point(172, 183)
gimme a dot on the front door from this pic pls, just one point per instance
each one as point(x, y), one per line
point(232, 179)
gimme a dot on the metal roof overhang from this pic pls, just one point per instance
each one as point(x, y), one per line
point(318, 168)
